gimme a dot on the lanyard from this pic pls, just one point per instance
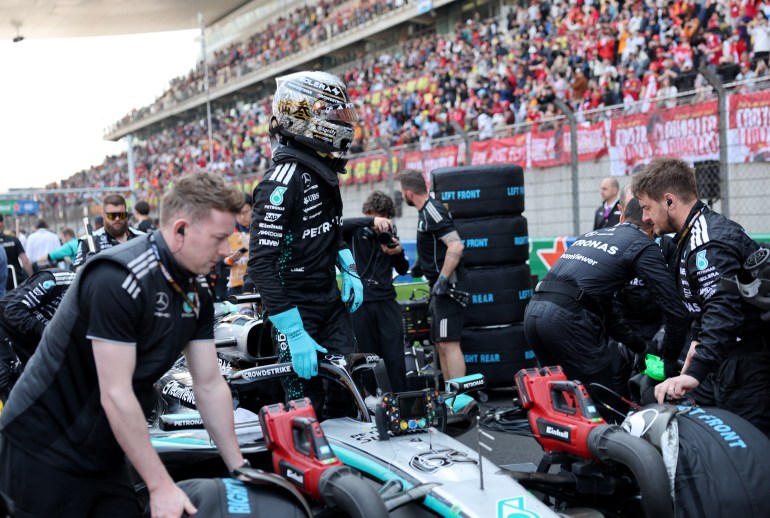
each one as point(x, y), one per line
point(687, 230)
point(195, 300)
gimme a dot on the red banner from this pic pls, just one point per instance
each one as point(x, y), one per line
point(509, 150)
point(592, 141)
point(367, 169)
point(687, 132)
point(427, 161)
point(549, 148)
point(748, 134)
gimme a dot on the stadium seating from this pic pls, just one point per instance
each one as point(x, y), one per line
point(486, 74)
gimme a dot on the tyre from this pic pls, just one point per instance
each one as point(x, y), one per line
point(497, 352)
point(477, 191)
point(498, 295)
point(494, 241)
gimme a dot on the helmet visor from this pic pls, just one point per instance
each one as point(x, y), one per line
point(337, 112)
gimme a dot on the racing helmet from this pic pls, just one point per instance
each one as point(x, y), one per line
point(314, 109)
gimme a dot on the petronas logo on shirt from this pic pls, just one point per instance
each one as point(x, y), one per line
point(277, 197)
point(186, 307)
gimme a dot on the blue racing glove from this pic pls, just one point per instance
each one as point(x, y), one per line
point(303, 348)
point(441, 286)
point(350, 281)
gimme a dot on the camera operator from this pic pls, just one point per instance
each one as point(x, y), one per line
point(730, 345)
point(377, 251)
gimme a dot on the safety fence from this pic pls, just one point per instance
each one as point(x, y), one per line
point(723, 131)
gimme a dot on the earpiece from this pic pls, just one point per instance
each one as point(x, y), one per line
point(668, 201)
point(180, 231)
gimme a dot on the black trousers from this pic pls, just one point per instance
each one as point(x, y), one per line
point(569, 335)
point(35, 490)
point(741, 385)
point(379, 330)
point(327, 321)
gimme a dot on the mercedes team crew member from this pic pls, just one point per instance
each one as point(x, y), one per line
point(377, 324)
point(570, 316)
point(114, 232)
point(296, 231)
point(730, 342)
point(24, 314)
point(78, 410)
point(440, 257)
point(636, 304)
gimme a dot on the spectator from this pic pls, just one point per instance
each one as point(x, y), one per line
point(41, 243)
point(667, 94)
point(759, 29)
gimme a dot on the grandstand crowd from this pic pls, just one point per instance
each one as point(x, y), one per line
point(487, 74)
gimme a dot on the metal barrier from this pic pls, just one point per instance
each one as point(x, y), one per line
point(722, 130)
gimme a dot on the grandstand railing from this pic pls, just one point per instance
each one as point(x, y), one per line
point(613, 141)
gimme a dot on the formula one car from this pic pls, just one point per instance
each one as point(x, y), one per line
point(401, 444)
point(396, 441)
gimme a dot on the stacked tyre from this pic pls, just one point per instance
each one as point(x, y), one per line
point(486, 203)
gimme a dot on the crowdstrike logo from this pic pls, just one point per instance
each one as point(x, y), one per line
point(268, 371)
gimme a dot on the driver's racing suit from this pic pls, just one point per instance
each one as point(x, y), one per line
point(296, 233)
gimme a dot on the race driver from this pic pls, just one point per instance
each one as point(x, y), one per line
point(296, 231)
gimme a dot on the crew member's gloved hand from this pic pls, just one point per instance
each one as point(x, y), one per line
point(303, 348)
point(351, 283)
point(416, 270)
point(441, 286)
point(671, 368)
